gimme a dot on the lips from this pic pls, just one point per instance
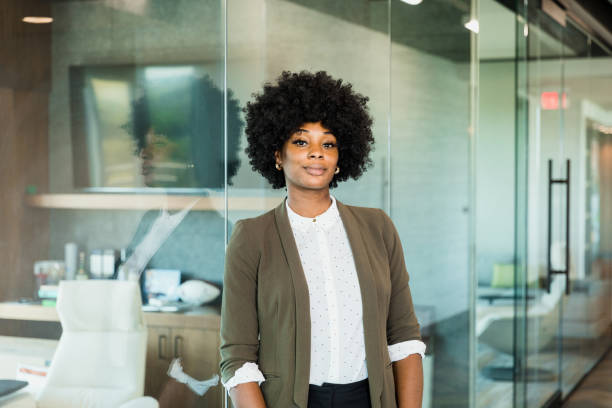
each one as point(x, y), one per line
point(315, 170)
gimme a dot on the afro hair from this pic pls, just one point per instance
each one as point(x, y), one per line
point(298, 98)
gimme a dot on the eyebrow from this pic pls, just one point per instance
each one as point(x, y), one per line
point(325, 133)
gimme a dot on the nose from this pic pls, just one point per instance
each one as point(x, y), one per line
point(316, 153)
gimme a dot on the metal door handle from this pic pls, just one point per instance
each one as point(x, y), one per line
point(550, 270)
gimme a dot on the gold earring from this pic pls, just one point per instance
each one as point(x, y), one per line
point(278, 166)
point(337, 170)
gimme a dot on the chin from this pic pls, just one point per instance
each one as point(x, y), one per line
point(316, 186)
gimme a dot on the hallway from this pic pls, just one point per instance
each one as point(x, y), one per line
point(596, 389)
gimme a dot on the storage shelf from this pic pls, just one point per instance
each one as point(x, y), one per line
point(147, 202)
point(204, 317)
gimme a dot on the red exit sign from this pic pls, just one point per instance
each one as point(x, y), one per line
point(550, 100)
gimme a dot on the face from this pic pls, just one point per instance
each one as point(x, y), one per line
point(309, 157)
point(155, 155)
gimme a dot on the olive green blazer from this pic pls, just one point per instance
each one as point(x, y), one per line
point(265, 315)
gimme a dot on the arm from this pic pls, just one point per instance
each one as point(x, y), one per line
point(408, 374)
point(247, 395)
point(239, 323)
point(402, 324)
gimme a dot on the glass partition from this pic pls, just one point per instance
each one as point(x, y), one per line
point(430, 136)
point(143, 164)
point(586, 311)
point(124, 168)
point(562, 313)
point(117, 160)
point(496, 206)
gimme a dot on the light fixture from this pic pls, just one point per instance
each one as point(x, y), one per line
point(413, 2)
point(472, 25)
point(37, 20)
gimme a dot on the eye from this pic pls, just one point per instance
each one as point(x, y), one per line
point(329, 145)
point(299, 142)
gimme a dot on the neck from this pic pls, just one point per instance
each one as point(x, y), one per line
point(308, 203)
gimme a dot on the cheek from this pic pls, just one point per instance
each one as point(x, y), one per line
point(334, 156)
point(294, 156)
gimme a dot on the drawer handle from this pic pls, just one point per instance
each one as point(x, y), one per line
point(178, 346)
point(161, 346)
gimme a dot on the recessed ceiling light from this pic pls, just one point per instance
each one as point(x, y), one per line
point(413, 2)
point(37, 20)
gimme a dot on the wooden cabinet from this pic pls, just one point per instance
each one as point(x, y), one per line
point(196, 341)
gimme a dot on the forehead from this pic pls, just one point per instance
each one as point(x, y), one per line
point(314, 127)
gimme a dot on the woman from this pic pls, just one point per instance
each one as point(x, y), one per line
point(317, 310)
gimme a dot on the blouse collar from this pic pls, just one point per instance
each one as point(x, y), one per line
point(325, 220)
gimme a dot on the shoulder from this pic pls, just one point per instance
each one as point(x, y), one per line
point(373, 223)
point(372, 217)
point(246, 228)
point(255, 223)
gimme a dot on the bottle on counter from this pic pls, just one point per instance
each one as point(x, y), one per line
point(70, 259)
point(81, 274)
point(121, 269)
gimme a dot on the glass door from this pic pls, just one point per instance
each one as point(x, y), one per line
point(545, 184)
point(494, 220)
point(585, 335)
point(563, 308)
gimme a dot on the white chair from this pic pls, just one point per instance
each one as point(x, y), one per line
point(100, 358)
point(495, 327)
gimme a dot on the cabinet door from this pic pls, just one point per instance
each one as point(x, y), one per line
point(159, 356)
point(199, 352)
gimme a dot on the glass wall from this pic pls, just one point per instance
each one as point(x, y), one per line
point(135, 117)
point(537, 179)
point(564, 310)
point(122, 158)
point(429, 125)
point(117, 153)
point(495, 206)
point(420, 164)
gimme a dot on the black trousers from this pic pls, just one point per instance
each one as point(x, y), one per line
point(353, 395)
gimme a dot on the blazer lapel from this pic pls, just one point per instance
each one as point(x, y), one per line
point(369, 298)
point(302, 306)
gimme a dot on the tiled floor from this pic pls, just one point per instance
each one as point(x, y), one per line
point(596, 389)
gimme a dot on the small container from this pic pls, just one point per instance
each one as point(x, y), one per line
point(96, 265)
point(81, 274)
point(70, 259)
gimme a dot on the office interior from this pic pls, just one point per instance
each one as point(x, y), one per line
point(493, 129)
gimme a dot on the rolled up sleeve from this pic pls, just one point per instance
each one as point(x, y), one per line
point(249, 372)
point(400, 351)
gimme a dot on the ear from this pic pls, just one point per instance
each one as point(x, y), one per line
point(277, 157)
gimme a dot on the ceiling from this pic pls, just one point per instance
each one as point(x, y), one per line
point(437, 27)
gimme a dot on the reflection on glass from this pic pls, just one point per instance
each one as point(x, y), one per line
point(172, 116)
point(175, 139)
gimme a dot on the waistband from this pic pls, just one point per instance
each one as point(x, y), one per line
point(340, 388)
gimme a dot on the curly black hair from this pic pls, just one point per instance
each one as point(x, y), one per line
point(298, 98)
